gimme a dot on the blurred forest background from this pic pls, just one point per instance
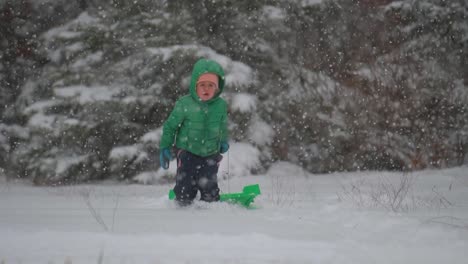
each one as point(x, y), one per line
point(332, 85)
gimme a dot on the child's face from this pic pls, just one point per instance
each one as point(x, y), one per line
point(206, 90)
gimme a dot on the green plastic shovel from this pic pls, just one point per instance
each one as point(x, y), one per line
point(245, 198)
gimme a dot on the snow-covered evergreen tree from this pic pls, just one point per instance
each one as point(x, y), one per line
point(329, 85)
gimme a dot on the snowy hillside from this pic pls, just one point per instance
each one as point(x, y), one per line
point(366, 217)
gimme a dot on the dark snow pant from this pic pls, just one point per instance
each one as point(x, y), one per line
point(195, 173)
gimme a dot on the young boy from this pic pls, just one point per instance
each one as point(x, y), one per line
point(198, 125)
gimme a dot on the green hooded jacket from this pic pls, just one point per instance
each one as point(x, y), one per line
point(195, 125)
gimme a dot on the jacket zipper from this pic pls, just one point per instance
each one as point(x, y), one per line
point(205, 120)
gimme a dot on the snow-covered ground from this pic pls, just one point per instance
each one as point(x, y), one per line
point(366, 217)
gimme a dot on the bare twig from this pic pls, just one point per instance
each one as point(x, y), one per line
point(449, 221)
point(114, 211)
point(440, 198)
point(396, 196)
point(282, 193)
point(101, 256)
point(85, 194)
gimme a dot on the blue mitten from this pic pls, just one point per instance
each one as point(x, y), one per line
point(224, 147)
point(164, 158)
